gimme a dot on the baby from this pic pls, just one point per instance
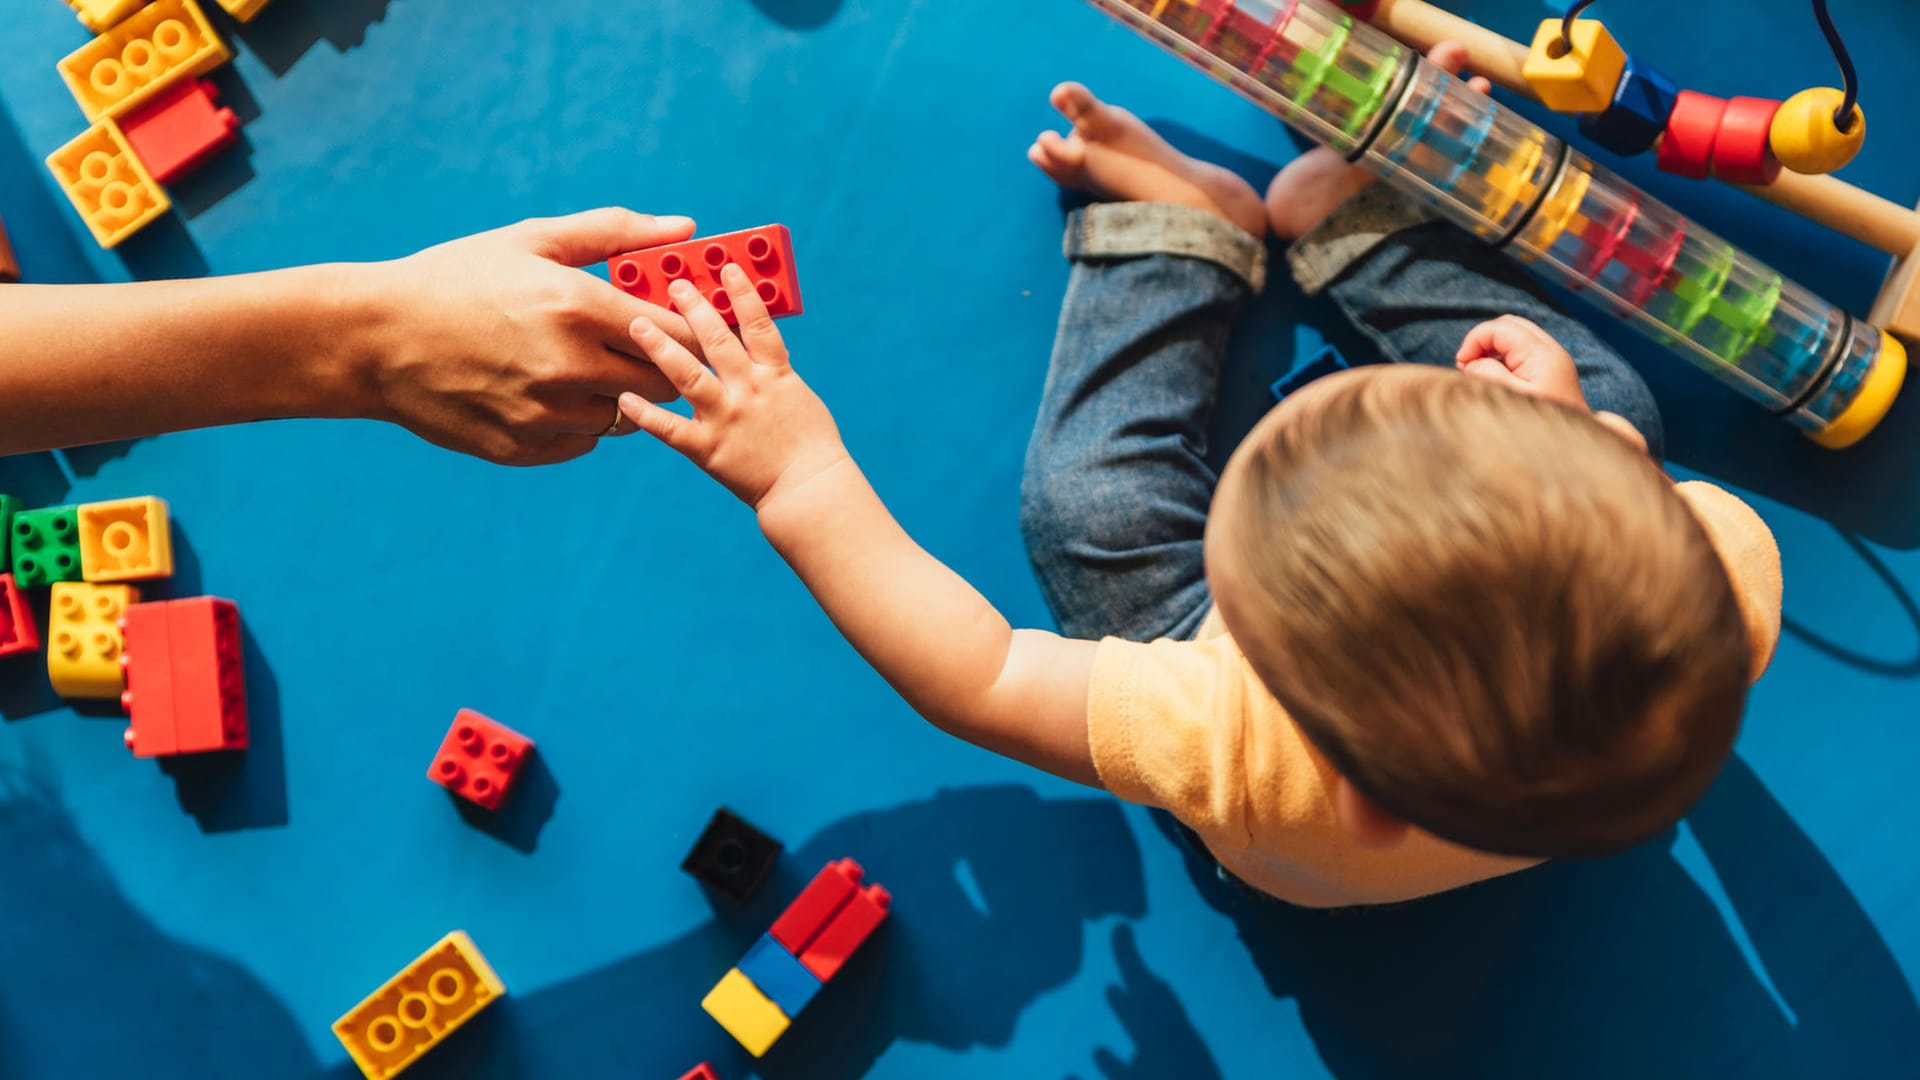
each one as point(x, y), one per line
point(1435, 621)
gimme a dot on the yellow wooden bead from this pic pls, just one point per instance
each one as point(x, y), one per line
point(1576, 79)
point(1805, 138)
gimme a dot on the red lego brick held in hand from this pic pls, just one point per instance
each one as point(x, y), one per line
point(180, 130)
point(186, 678)
point(702, 1071)
point(816, 905)
point(834, 945)
point(18, 634)
point(766, 254)
point(480, 759)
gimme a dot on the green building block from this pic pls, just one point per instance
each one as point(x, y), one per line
point(9, 506)
point(46, 546)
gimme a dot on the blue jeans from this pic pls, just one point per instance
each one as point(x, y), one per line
point(1117, 485)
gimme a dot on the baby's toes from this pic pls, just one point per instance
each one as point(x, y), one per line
point(1063, 158)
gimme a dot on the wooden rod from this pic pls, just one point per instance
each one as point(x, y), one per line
point(1828, 200)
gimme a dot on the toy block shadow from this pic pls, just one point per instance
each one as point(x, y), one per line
point(285, 30)
point(229, 791)
point(527, 809)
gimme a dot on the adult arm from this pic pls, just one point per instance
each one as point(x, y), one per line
point(495, 345)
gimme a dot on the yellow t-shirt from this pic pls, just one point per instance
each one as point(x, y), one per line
point(1188, 726)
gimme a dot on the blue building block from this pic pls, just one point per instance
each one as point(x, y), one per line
point(1641, 104)
point(1325, 362)
point(777, 974)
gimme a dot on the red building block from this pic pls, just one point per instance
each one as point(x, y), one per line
point(186, 682)
point(766, 254)
point(18, 634)
point(702, 1071)
point(816, 905)
point(180, 130)
point(480, 759)
point(1687, 147)
point(1741, 150)
point(864, 911)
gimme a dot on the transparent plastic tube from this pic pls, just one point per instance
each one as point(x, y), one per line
point(1481, 165)
point(1689, 289)
point(1307, 63)
point(1502, 178)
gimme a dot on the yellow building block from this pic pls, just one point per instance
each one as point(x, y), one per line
point(243, 10)
point(419, 1007)
point(125, 540)
point(162, 43)
point(98, 15)
point(84, 642)
point(1580, 79)
point(107, 183)
point(755, 1022)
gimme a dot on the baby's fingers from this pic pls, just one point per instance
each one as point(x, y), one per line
point(669, 427)
point(698, 385)
point(757, 330)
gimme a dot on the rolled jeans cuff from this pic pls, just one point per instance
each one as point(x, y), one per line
point(1134, 229)
point(1345, 236)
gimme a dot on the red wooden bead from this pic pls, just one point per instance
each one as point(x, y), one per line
point(1741, 154)
point(1687, 147)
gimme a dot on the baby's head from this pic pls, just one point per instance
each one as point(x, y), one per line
point(1496, 619)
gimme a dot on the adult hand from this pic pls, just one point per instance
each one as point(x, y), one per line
point(499, 346)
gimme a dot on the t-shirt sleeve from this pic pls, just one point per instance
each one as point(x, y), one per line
point(1752, 558)
point(1166, 722)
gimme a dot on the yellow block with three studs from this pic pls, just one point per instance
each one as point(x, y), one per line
point(446, 987)
point(1577, 74)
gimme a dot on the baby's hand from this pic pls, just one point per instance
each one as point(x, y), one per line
point(1517, 353)
point(756, 427)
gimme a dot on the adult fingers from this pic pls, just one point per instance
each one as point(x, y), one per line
point(593, 414)
point(757, 331)
point(593, 236)
point(716, 339)
point(689, 376)
point(611, 312)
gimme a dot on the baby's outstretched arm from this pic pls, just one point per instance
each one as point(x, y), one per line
point(761, 432)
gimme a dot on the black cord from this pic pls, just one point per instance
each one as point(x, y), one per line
point(1573, 12)
point(1843, 119)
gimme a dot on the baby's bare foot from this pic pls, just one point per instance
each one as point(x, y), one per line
point(1113, 154)
point(1314, 184)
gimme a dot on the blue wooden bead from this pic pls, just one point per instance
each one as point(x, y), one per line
point(1641, 105)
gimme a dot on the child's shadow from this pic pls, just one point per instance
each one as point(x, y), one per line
point(1609, 968)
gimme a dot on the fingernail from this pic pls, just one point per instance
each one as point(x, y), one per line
point(682, 287)
point(642, 325)
point(675, 221)
point(629, 402)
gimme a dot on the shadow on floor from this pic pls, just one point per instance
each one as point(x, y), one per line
point(1606, 968)
point(799, 14)
point(993, 887)
point(285, 30)
point(95, 989)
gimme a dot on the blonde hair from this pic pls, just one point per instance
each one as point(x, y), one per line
point(1494, 617)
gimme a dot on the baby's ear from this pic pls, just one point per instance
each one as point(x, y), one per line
point(1363, 821)
point(1620, 426)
